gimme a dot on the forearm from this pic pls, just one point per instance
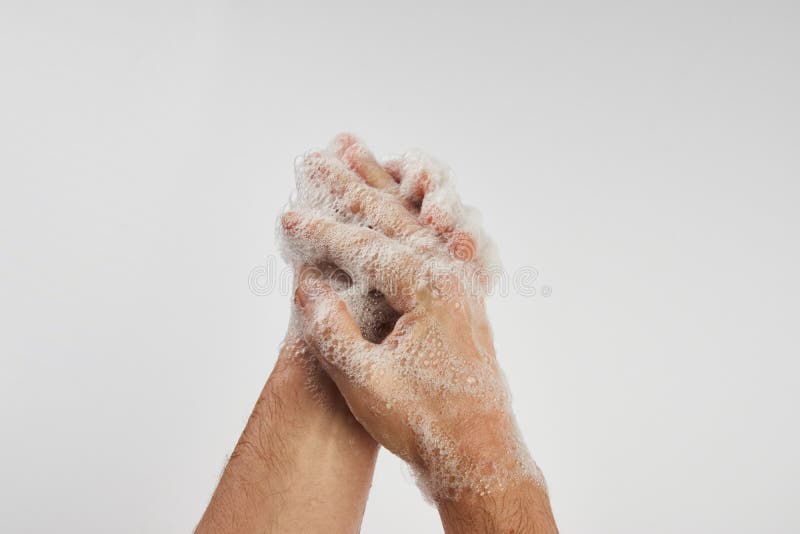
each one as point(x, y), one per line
point(521, 509)
point(300, 464)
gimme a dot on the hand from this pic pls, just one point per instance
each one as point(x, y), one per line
point(431, 391)
point(301, 446)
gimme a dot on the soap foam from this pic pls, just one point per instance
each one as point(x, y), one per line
point(417, 368)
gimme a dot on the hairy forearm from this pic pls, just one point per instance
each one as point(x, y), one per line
point(522, 508)
point(299, 465)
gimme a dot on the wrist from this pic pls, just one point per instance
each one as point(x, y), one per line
point(301, 413)
point(481, 476)
point(481, 453)
point(520, 507)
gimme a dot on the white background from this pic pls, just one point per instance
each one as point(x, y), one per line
point(642, 156)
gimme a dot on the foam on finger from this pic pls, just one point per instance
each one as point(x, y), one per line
point(430, 185)
point(435, 380)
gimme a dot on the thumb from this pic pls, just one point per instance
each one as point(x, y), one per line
point(341, 349)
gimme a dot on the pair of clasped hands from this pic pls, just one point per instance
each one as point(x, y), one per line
point(425, 385)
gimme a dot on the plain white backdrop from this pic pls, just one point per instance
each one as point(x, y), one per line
point(643, 157)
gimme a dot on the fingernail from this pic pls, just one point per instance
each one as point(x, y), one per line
point(300, 297)
point(290, 220)
point(307, 285)
point(341, 142)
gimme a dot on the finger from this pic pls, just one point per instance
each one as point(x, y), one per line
point(427, 185)
point(415, 173)
point(368, 256)
point(357, 156)
point(341, 142)
point(328, 324)
point(341, 350)
point(394, 167)
point(424, 180)
point(352, 199)
point(461, 244)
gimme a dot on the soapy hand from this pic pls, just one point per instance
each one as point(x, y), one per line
point(431, 390)
point(388, 330)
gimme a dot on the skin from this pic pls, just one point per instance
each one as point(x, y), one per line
point(305, 459)
point(302, 463)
